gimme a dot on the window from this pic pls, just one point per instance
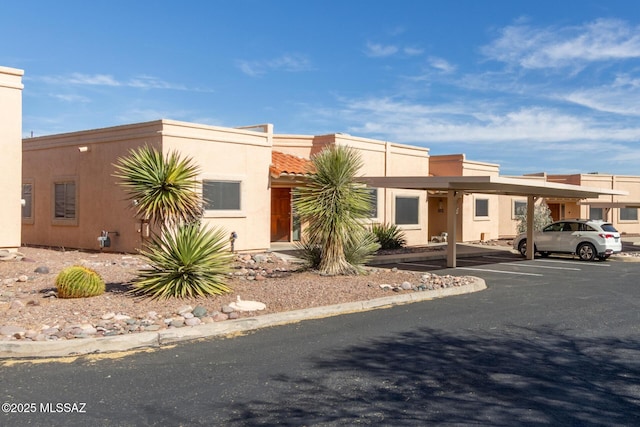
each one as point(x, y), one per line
point(407, 209)
point(628, 214)
point(64, 200)
point(482, 208)
point(596, 213)
point(519, 208)
point(27, 196)
point(221, 195)
point(373, 192)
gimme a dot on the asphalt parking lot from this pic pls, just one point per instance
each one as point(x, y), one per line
point(494, 264)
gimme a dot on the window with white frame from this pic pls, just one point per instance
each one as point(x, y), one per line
point(596, 213)
point(407, 210)
point(373, 194)
point(628, 214)
point(481, 208)
point(64, 200)
point(519, 208)
point(221, 195)
point(27, 196)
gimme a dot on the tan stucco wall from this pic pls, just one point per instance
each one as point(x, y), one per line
point(10, 160)
point(221, 153)
point(469, 226)
point(101, 203)
point(379, 158)
point(230, 154)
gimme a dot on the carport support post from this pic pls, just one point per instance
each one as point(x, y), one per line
point(452, 208)
point(531, 209)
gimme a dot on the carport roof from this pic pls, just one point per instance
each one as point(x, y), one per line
point(490, 185)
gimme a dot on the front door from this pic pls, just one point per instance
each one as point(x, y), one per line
point(280, 214)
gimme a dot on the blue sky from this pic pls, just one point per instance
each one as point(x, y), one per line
point(531, 85)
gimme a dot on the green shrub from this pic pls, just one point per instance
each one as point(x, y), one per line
point(79, 282)
point(389, 236)
point(186, 261)
point(359, 249)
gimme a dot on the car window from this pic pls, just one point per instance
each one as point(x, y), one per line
point(609, 227)
point(556, 226)
point(571, 226)
point(586, 227)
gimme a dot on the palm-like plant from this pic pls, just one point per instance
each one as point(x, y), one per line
point(186, 261)
point(334, 205)
point(162, 187)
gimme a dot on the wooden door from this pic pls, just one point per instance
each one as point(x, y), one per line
point(280, 214)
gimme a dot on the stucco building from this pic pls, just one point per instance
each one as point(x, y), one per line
point(247, 177)
point(11, 157)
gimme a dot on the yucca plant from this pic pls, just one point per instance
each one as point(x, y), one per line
point(358, 250)
point(186, 261)
point(389, 236)
point(163, 188)
point(79, 282)
point(334, 205)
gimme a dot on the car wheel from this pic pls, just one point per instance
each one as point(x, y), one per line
point(522, 247)
point(603, 257)
point(586, 252)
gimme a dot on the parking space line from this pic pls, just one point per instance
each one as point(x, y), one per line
point(498, 271)
point(420, 265)
point(540, 266)
point(499, 257)
point(582, 263)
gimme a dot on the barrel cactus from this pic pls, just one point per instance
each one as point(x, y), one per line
point(79, 282)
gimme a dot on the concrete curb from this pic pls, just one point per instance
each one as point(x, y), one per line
point(79, 347)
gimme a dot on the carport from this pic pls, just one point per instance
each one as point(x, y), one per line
point(456, 186)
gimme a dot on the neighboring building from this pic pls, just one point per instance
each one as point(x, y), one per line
point(247, 177)
point(76, 198)
point(11, 158)
point(621, 211)
point(478, 215)
point(406, 208)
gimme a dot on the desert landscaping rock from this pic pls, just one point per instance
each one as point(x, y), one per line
point(42, 270)
point(268, 279)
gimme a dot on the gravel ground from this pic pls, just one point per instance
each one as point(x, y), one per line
point(29, 308)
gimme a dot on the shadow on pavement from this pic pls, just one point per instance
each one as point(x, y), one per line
point(524, 377)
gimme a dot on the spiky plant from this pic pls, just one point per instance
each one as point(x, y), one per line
point(79, 282)
point(358, 250)
point(334, 205)
point(389, 236)
point(186, 261)
point(162, 187)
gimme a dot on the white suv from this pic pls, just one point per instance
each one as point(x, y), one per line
point(586, 238)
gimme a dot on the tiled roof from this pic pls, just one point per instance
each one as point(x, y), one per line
point(287, 164)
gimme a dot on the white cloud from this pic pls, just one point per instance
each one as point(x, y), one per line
point(141, 82)
point(559, 47)
point(289, 63)
point(151, 82)
point(530, 127)
point(376, 50)
point(620, 97)
point(71, 98)
point(413, 51)
point(441, 64)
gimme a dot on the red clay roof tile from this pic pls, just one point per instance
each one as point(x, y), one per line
point(282, 163)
